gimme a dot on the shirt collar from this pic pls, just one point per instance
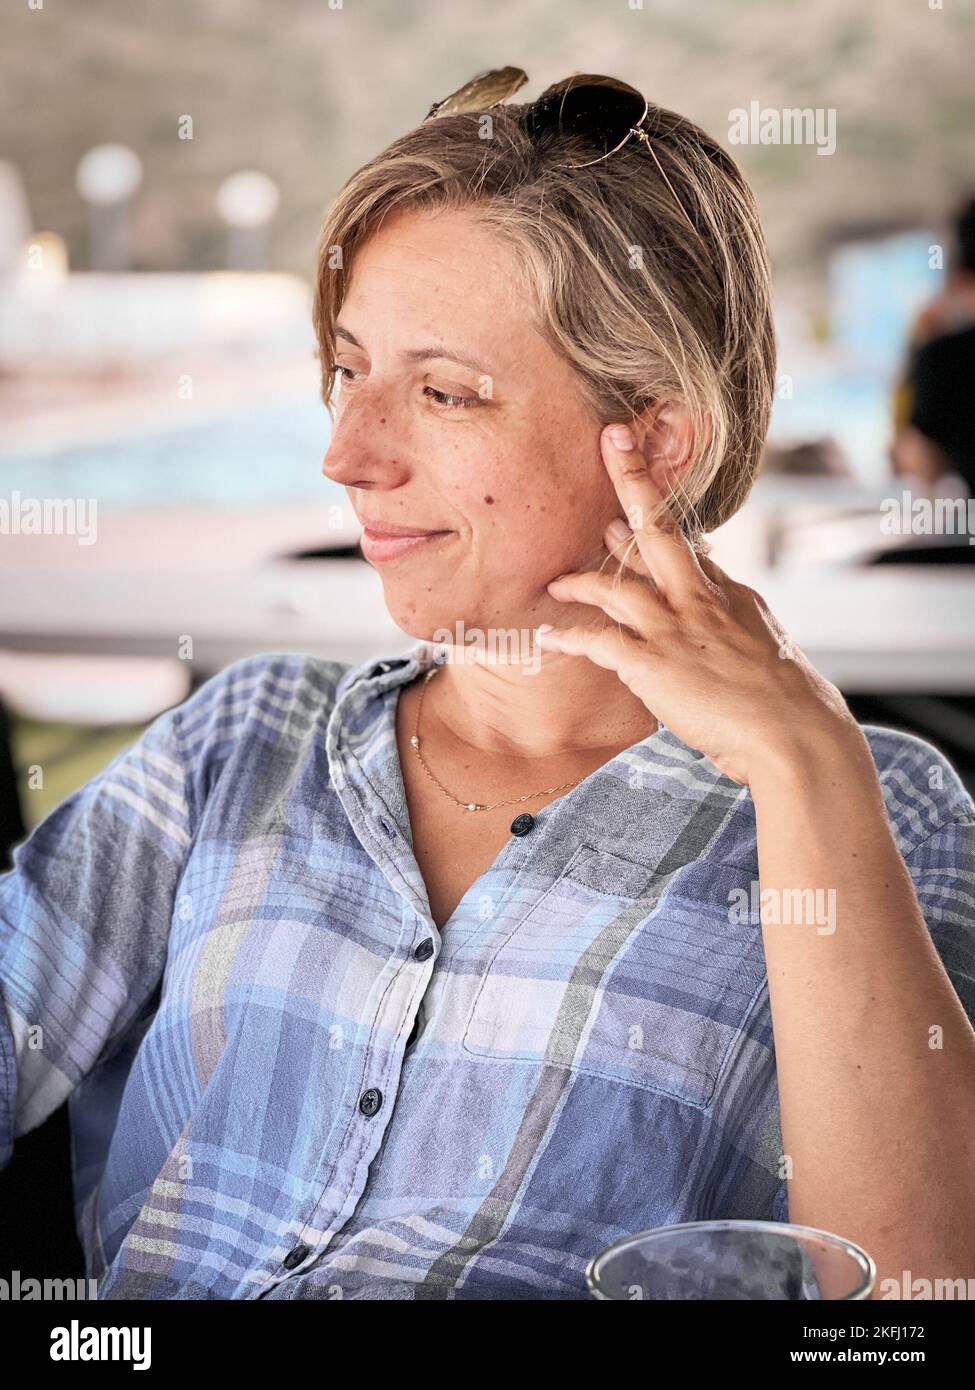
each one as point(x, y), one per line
point(405, 667)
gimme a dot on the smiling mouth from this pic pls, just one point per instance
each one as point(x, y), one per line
point(381, 547)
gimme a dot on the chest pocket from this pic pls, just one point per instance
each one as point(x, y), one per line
point(642, 978)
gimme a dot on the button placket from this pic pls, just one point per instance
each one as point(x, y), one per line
point(422, 952)
point(384, 845)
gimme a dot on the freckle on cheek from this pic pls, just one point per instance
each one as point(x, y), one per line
point(489, 500)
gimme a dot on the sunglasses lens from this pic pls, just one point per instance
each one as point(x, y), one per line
point(599, 110)
point(485, 90)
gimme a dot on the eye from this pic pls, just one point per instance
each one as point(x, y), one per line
point(449, 402)
point(444, 400)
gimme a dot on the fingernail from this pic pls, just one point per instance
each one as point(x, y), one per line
point(621, 436)
point(543, 628)
point(560, 576)
point(618, 531)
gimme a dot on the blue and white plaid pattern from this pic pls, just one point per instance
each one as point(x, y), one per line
point(211, 948)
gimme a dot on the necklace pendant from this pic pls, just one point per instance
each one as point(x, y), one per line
point(474, 806)
point(414, 741)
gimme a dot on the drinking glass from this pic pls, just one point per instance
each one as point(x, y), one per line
point(731, 1260)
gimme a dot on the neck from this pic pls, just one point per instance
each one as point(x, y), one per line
point(567, 706)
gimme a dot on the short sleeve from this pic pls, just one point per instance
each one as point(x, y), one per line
point(932, 817)
point(942, 868)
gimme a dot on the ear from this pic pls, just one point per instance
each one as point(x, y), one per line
point(666, 438)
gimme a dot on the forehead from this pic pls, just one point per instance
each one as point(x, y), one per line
point(440, 273)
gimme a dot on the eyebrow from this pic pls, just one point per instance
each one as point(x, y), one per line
point(435, 352)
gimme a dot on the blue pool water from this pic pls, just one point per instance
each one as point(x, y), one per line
point(267, 454)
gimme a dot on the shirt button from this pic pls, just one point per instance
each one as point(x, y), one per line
point(522, 824)
point(370, 1101)
point(425, 949)
point(294, 1257)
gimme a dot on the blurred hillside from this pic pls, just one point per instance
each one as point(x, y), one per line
point(307, 93)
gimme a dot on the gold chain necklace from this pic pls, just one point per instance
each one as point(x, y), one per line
point(470, 805)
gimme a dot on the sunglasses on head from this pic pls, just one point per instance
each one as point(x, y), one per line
point(601, 110)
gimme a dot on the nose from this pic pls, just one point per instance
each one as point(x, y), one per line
point(363, 450)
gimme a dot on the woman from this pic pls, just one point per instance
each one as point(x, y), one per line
point(430, 979)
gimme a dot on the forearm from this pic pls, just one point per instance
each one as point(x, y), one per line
point(875, 1056)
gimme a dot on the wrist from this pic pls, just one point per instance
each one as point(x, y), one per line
point(819, 752)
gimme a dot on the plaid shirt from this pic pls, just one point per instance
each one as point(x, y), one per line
point(225, 941)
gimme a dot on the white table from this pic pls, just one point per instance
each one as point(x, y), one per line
point(880, 630)
point(331, 608)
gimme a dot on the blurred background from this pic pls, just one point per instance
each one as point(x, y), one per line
point(164, 173)
point(164, 168)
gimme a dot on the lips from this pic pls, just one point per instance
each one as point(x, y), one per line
point(389, 528)
point(382, 541)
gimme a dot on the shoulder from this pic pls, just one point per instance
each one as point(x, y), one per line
point(272, 698)
point(263, 694)
point(922, 791)
point(948, 348)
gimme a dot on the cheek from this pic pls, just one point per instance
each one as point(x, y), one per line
point(566, 491)
point(542, 520)
point(534, 493)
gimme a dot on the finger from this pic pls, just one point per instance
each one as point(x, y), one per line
point(728, 589)
point(668, 555)
point(719, 583)
point(607, 647)
point(621, 544)
point(629, 600)
point(712, 569)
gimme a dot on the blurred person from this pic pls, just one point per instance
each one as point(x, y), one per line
point(954, 307)
point(429, 977)
point(935, 402)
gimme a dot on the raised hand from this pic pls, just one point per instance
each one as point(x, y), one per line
point(703, 653)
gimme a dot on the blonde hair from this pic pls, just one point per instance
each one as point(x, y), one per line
point(648, 271)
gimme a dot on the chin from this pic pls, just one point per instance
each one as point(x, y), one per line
point(417, 618)
point(467, 640)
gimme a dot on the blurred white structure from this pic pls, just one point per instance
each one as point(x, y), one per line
point(247, 201)
point(85, 322)
point(94, 691)
point(15, 222)
point(107, 178)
